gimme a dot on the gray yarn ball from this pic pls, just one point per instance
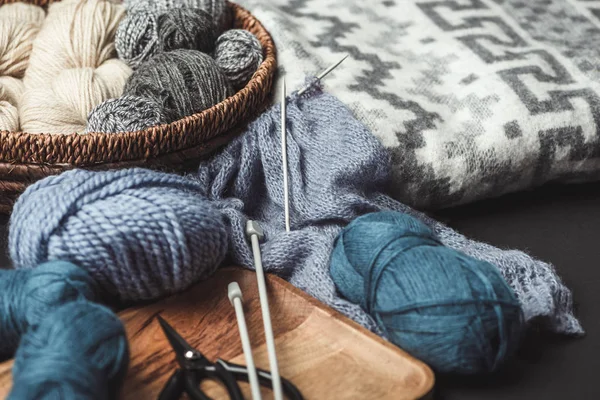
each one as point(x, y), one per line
point(218, 9)
point(125, 114)
point(186, 28)
point(184, 82)
point(239, 54)
point(146, 32)
point(136, 39)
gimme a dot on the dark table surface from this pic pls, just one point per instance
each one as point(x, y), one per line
point(559, 224)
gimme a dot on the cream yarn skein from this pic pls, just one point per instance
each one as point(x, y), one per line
point(11, 90)
point(19, 25)
point(75, 34)
point(63, 107)
point(72, 67)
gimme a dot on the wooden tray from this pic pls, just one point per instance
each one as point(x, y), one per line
point(326, 355)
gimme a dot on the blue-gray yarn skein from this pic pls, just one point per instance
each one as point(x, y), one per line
point(220, 13)
point(144, 33)
point(239, 54)
point(125, 114)
point(27, 296)
point(79, 351)
point(455, 313)
point(140, 234)
point(339, 171)
point(184, 82)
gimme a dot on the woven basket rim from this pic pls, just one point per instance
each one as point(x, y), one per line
point(100, 148)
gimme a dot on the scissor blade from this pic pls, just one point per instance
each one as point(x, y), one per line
point(179, 345)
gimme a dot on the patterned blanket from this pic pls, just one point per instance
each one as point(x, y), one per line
point(474, 98)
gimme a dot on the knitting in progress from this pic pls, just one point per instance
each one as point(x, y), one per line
point(71, 69)
point(474, 98)
point(140, 234)
point(453, 312)
point(337, 172)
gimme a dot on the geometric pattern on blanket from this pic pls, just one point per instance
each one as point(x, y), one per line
point(474, 98)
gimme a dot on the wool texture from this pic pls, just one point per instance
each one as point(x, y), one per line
point(473, 98)
point(453, 312)
point(125, 114)
point(239, 54)
point(64, 106)
point(337, 172)
point(185, 82)
point(19, 25)
point(11, 90)
point(219, 11)
point(79, 351)
point(71, 69)
point(136, 39)
point(140, 234)
point(27, 296)
point(146, 32)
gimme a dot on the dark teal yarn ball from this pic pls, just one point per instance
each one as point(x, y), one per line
point(27, 296)
point(79, 351)
point(455, 313)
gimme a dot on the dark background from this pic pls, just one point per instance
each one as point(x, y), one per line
point(559, 224)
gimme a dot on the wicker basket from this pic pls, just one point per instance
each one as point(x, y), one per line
point(25, 158)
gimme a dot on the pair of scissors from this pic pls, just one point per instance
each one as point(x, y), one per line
point(194, 368)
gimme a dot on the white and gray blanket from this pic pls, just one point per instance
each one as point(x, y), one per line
point(474, 98)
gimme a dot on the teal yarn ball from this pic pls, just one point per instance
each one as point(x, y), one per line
point(27, 296)
point(79, 351)
point(455, 313)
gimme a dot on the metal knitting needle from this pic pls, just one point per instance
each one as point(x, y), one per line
point(255, 233)
point(235, 297)
point(286, 193)
point(323, 74)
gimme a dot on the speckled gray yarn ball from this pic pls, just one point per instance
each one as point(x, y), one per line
point(238, 53)
point(144, 33)
point(136, 39)
point(186, 28)
point(218, 9)
point(184, 82)
point(125, 114)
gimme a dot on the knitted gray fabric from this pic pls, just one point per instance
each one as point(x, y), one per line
point(337, 170)
point(218, 10)
point(184, 82)
point(125, 114)
point(146, 32)
point(238, 53)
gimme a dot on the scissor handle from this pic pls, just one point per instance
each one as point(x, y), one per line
point(240, 373)
point(217, 372)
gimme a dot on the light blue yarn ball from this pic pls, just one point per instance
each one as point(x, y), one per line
point(79, 351)
point(27, 296)
point(140, 234)
point(455, 313)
